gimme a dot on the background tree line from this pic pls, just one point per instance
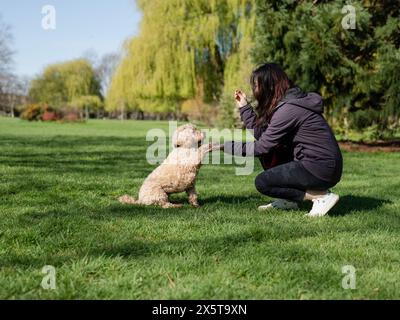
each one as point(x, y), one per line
point(71, 90)
point(74, 89)
point(190, 55)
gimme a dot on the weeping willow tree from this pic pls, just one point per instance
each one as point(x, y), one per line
point(237, 69)
point(184, 54)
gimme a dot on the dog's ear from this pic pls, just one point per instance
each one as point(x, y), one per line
point(178, 138)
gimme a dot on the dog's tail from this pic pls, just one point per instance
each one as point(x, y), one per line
point(128, 200)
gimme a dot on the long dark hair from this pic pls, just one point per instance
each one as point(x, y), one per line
point(269, 83)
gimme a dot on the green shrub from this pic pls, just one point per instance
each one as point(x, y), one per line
point(43, 112)
point(33, 112)
point(361, 119)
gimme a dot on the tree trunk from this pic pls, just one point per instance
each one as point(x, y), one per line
point(140, 115)
point(122, 113)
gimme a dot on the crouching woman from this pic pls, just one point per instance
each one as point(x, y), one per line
point(295, 144)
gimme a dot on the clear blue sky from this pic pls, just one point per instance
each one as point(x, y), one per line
point(99, 26)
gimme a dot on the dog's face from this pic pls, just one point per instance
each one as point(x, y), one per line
point(187, 136)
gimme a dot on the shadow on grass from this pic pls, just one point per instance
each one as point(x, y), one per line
point(134, 249)
point(71, 141)
point(132, 211)
point(226, 199)
point(347, 204)
point(74, 154)
point(114, 211)
point(97, 240)
point(351, 203)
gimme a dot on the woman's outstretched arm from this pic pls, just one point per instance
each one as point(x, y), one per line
point(283, 122)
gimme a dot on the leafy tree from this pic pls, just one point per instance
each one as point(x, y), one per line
point(65, 84)
point(238, 67)
point(356, 70)
point(181, 54)
point(87, 103)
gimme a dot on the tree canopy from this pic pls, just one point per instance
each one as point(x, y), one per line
point(186, 50)
point(65, 84)
point(356, 70)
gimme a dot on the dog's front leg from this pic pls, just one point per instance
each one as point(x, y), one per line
point(208, 147)
point(193, 199)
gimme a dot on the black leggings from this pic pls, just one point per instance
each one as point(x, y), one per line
point(289, 181)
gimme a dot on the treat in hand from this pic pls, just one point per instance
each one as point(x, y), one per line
point(241, 99)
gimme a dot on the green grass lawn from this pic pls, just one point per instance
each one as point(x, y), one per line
point(58, 189)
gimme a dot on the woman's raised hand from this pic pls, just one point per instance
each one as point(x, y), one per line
point(240, 98)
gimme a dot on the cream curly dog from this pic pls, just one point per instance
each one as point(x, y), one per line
point(177, 173)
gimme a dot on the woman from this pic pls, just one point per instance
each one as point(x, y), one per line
point(286, 117)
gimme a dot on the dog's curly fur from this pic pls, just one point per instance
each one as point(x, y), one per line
point(177, 173)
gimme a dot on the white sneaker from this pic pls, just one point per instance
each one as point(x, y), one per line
point(280, 204)
point(322, 205)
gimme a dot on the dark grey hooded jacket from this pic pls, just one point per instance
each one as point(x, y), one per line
point(298, 122)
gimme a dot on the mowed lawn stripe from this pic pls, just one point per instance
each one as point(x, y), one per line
point(58, 189)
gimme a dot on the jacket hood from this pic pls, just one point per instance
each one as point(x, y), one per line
point(311, 100)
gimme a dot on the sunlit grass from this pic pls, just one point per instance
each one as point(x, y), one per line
point(58, 189)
